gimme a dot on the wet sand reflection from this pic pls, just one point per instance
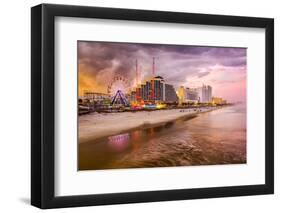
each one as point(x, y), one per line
point(217, 137)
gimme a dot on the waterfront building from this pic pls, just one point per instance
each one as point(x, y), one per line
point(204, 94)
point(218, 101)
point(154, 89)
point(144, 93)
point(187, 95)
point(181, 92)
point(158, 89)
point(147, 90)
point(138, 93)
point(191, 95)
point(132, 96)
point(95, 96)
point(209, 93)
point(170, 94)
point(93, 101)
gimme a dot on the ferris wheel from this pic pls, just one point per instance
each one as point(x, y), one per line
point(118, 83)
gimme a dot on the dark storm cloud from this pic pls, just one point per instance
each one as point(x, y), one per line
point(234, 63)
point(173, 62)
point(97, 57)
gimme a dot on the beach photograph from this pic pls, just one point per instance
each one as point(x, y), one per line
point(146, 105)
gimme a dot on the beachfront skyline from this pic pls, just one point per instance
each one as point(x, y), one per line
point(190, 66)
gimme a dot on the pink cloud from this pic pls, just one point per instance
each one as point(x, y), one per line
point(227, 82)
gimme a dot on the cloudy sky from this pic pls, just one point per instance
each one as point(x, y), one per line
point(222, 68)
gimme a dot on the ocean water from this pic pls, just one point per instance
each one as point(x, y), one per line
point(211, 138)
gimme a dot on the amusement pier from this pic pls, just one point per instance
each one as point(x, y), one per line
point(149, 94)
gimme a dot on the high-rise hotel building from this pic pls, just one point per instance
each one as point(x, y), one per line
point(155, 89)
point(201, 94)
point(204, 94)
point(187, 95)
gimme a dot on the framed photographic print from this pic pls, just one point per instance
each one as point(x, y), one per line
point(139, 106)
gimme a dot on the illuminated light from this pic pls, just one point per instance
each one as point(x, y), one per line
point(119, 142)
point(150, 106)
point(136, 107)
point(160, 106)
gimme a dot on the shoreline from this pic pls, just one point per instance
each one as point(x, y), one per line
point(98, 125)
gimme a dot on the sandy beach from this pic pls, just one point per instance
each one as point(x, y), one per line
point(97, 125)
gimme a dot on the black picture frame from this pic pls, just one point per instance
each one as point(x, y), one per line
point(43, 102)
